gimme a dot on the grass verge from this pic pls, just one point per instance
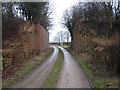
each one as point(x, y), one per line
point(28, 66)
point(54, 75)
point(65, 46)
point(98, 75)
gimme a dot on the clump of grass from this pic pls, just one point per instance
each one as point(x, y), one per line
point(53, 77)
point(28, 66)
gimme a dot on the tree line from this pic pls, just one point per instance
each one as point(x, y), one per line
point(62, 37)
point(36, 12)
point(103, 17)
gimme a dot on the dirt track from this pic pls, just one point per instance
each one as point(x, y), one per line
point(37, 77)
point(71, 75)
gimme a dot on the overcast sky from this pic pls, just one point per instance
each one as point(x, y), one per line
point(58, 7)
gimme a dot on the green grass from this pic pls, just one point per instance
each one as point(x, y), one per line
point(25, 69)
point(54, 75)
point(1, 58)
point(100, 77)
point(84, 66)
point(65, 46)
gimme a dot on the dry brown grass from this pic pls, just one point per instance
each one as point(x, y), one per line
point(106, 42)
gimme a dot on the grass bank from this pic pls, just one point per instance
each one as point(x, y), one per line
point(97, 73)
point(54, 75)
point(28, 66)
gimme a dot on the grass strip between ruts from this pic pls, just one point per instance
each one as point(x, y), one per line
point(54, 75)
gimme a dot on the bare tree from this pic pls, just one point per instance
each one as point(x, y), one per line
point(67, 22)
point(57, 39)
point(62, 37)
point(67, 36)
point(100, 16)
